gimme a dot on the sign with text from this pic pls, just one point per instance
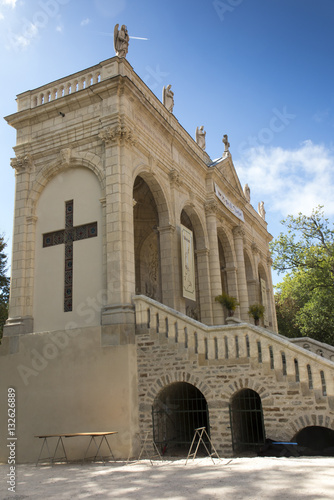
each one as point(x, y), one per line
point(228, 204)
point(188, 263)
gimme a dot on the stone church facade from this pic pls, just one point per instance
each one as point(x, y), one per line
point(101, 334)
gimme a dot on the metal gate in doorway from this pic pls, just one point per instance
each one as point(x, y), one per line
point(177, 411)
point(247, 424)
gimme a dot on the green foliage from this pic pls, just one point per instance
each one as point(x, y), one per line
point(305, 299)
point(228, 301)
point(4, 285)
point(256, 311)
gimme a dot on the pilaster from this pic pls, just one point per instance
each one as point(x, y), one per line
point(238, 235)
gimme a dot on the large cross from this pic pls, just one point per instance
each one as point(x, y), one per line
point(68, 236)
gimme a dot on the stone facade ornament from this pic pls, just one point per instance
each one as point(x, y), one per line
point(226, 144)
point(168, 98)
point(117, 133)
point(21, 163)
point(261, 210)
point(247, 192)
point(200, 137)
point(121, 40)
point(65, 155)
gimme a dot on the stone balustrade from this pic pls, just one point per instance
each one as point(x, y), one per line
point(237, 343)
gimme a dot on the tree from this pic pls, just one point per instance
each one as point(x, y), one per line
point(4, 285)
point(305, 301)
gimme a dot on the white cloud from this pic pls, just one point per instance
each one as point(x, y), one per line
point(1, 16)
point(59, 29)
point(11, 3)
point(22, 41)
point(290, 181)
point(84, 22)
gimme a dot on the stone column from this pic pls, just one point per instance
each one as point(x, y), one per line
point(118, 313)
point(273, 318)
point(215, 271)
point(238, 234)
point(20, 304)
point(204, 299)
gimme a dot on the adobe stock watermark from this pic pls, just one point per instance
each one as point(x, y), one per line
point(154, 77)
point(223, 7)
point(277, 123)
point(30, 28)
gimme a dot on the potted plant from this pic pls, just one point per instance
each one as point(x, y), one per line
point(257, 311)
point(227, 301)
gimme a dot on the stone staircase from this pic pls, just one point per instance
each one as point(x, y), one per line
point(240, 343)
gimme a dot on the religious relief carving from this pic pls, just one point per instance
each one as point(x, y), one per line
point(247, 192)
point(261, 210)
point(21, 163)
point(226, 145)
point(121, 40)
point(200, 137)
point(168, 98)
point(117, 133)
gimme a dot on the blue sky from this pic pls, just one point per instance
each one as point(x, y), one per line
point(260, 71)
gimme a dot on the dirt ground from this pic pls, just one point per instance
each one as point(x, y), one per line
point(236, 478)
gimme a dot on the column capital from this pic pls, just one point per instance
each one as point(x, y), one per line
point(238, 232)
point(211, 207)
point(21, 163)
point(166, 229)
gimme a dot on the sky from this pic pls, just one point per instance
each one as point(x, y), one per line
point(260, 71)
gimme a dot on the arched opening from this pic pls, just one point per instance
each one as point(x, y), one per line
point(177, 411)
point(315, 440)
point(247, 426)
point(146, 241)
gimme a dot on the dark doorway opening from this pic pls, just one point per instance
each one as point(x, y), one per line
point(246, 417)
point(315, 440)
point(177, 411)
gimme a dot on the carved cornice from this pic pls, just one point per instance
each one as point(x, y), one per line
point(117, 134)
point(21, 163)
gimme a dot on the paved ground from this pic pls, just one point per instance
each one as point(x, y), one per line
point(227, 479)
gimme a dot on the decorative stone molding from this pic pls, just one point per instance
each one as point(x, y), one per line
point(238, 232)
point(65, 156)
point(211, 207)
point(174, 178)
point(255, 248)
point(21, 163)
point(117, 133)
point(269, 260)
point(31, 219)
point(166, 229)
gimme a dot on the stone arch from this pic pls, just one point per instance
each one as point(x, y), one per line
point(250, 277)
point(65, 161)
point(247, 423)
point(310, 419)
point(178, 376)
point(264, 294)
point(316, 439)
point(178, 409)
point(227, 262)
point(150, 224)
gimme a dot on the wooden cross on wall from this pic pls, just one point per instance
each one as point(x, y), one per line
point(67, 236)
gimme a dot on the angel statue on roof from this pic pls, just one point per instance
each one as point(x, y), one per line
point(121, 40)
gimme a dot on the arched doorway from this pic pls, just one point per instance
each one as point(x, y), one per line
point(146, 241)
point(315, 440)
point(178, 410)
point(247, 424)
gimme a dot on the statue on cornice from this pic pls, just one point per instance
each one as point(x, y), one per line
point(200, 137)
point(121, 40)
point(168, 98)
point(247, 192)
point(261, 210)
